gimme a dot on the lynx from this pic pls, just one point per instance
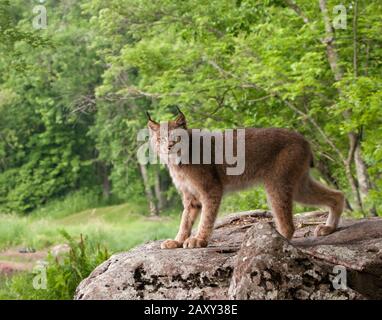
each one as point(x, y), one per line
point(277, 158)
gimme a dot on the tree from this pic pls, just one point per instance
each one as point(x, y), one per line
point(277, 63)
point(73, 97)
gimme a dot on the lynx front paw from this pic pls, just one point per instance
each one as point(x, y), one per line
point(323, 230)
point(170, 244)
point(195, 243)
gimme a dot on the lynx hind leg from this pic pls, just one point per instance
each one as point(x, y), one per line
point(281, 203)
point(313, 193)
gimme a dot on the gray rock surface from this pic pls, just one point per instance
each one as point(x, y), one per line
point(248, 259)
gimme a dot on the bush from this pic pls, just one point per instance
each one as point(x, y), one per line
point(63, 274)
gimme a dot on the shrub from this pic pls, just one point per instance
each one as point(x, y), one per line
point(63, 274)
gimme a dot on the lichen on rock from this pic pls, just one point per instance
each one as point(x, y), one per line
point(248, 259)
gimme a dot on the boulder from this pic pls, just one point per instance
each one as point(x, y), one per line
point(248, 259)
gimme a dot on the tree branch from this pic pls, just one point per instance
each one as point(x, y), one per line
point(293, 5)
point(288, 103)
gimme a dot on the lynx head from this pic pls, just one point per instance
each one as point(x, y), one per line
point(164, 136)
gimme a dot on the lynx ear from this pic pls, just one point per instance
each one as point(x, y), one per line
point(180, 119)
point(153, 125)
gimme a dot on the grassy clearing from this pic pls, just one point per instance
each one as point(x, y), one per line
point(116, 227)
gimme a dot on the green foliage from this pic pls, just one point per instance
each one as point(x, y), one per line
point(245, 200)
point(247, 63)
point(45, 151)
point(12, 37)
point(70, 119)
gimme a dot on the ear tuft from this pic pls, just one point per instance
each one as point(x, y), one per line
point(180, 119)
point(152, 124)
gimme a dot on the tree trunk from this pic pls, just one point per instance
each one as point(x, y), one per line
point(149, 194)
point(333, 60)
point(158, 191)
point(354, 142)
point(363, 178)
point(354, 188)
point(361, 184)
point(331, 52)
point(323, 168)
point(106, 185)
point(360, 166)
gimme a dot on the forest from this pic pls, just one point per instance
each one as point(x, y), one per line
point(76, 78)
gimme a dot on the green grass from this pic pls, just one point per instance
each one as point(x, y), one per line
point(118, 227)
point(115, 228)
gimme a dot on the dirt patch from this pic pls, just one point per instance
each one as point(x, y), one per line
point(12, 260)
point(8, 268)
